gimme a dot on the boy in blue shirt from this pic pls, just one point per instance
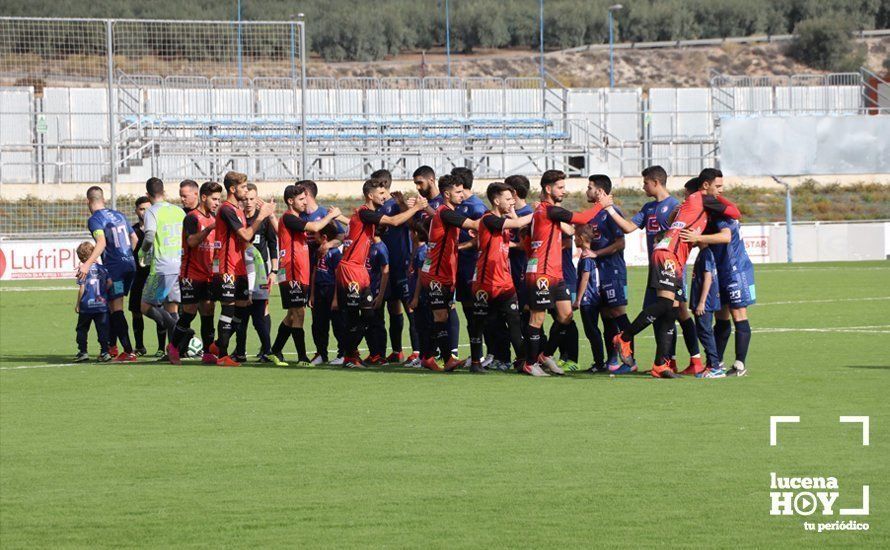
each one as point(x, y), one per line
point(324, 317)
point(378, 267)
point(92, 305)
point(705, 299)
point(419, 238)
point(588, 296)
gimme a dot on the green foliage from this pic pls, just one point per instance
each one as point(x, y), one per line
point(348, 30)
point(825, 43)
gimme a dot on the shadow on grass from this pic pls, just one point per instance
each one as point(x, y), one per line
point(877, 367)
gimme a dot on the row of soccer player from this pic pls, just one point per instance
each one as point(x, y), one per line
point(481, 257)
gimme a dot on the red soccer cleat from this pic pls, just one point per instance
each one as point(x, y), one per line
point(533, 370)
point(453, 364)
point(695, 367)
point(113, 351)
point(663, 371)
point(213, 349)
point(173, 354)
point(373, 361)
point(395, 357)
point(672, 363)
point(227, 361)
point(624, 349)
point(431, 364)
point(352, 362)
point(125, 357)
point(209, 359)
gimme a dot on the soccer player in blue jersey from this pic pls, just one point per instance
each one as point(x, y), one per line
point(736, 282)
point(378, 264)
point(323, 285)
point(607, 247)
point(92, 306)
point(704, 298)
point(654, 217)
point(472, 208)
point(587, 299)
point(115, 241)
point(420, 236)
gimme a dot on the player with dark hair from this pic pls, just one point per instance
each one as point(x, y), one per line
point(135, 299)
point(419, 235)
point(379, 266)
point(324, 317)
point(665, 275)
point(607, 249)
point(262, 269)
point(115, 241)
point(518, 255)
point(587, 300)
point(353, 294)
point(544, 276)
point(294, 273)
point(196, 273)
point(189, 195)
point(494, 295)
point(433, 296)
point(471, 207)
point(230, 286)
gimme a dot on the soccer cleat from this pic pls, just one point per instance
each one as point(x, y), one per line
point(738, 369)
point(550, 365)
point(104, 357)
point(430, 363)
point(138, 351)
point(672, 364)
point(302, 364)
point(338, 361)
point(354, 362)
point(317, 360)
point(82, 356)
point(209, 359)
point(213, 349)
point(173, 354)
point(227, 361)
point(621, 368)
point(160, 354)
point(623, 348)
point(499, 366)
point(477, 368)
point(113, 351)
point(395, 357)
point(712, 372)
point(597, 368)
point(663, 371)
point(374, 360)
point(569, 365)
point(453, 364)
point(239, 357)
point(487, 360)
point(533, 370)
point(125, 357)
point(695, 367)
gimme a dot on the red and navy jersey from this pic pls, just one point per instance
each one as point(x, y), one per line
point(441, 258)
point(229, 253)
point(493, 265)
point(357, 246)
point(693, 215)
point(197, 262)
point(545, 243)
point(293, 249)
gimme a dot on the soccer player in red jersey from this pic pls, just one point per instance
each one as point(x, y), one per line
point(544, 276)
point(196, 273)
point(295, 269)
point(494, 294)
point(229, 268)
point(434, 296)
point(665, 275)
point(353, 295)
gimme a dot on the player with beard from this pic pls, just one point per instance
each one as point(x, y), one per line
point(494, 294)
point(196, 274)
point(544, 275)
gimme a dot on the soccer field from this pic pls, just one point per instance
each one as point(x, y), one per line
point(157, 455)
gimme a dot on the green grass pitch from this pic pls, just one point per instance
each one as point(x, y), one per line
point(156, 455)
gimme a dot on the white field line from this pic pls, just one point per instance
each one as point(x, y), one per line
point(35, 288)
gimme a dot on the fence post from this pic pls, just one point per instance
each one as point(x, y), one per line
point(112, 148)
point(788, 219)
point(303, 171)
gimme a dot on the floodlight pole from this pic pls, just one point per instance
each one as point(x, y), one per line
point(240, 62)
point(302, 24)
point(612, 9)
point(112, 147)
point(541, 19)
point(788, 219)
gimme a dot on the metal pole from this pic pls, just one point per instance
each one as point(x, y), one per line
point(112, 147)
point(240, 62)
point(302, 25)
point(788, 220)
point(293, 51)
point(448, 39)
point(611, 54)
point(541, 18)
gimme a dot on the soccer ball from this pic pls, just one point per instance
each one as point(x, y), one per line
point(196, 347)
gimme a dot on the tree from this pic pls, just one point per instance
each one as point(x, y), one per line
point(825, 43)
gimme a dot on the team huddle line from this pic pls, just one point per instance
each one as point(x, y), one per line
point(508, 265)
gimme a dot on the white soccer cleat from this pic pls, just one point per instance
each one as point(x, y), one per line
point(534, 370)
point(550, 365)
point(337, 361)
point(487, 360)
point(317, 360)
